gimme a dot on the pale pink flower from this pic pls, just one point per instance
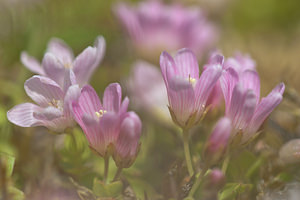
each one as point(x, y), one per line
point(59, 58)
point(53, 109)
point(109, 128)
point(242, 101)
point(187, 92)
point(154, 27)
point(147, 90)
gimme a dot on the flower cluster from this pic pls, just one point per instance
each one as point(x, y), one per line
point(155, 27)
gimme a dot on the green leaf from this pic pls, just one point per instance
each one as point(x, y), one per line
point(113, 189)
point(8, 161)
point(15, 193)
point(231, 190)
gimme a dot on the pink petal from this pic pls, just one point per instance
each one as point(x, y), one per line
point(264, 108)
point(31, 63)
point(186, 64)
point(43, 90)
point(206, 83)
point(110, 127)
point(279, 88)
point(89, 101)
point(236, 103)
point(61, 50)
point(72, 94)
point(130, 133)
point(84, 65)
point(69, 79)
point(129, 20)
point(228, 81)
point(48, 113)
point(112, 98)
point(124, 106)
point(53, 68)
point(250, 80)
point(167, 66)
point(23, 115)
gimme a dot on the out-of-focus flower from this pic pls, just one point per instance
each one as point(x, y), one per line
point(290, 152)
point(242, 101)
point(218, 141)
point(59, 58)
point(187, 92)
point(291, 191)
point(109, 128)
point(240, 63)
point(147, 90)
point(53, 109)
point(154, 27)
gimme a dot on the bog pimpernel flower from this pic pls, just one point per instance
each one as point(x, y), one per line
point(53, 109)
point(109, 128)
point(154, 27)
point(242, 101)
point(187, 92)
point(59, 58)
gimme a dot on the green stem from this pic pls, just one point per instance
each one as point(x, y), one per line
point(118, 173)
point(198, 182)
point(187, 153)
point(106, 166)
point(225, 164)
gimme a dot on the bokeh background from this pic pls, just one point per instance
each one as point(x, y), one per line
point(268, 30)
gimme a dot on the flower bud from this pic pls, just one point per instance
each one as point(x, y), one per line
point(217, 142)
point(213, 182)
point(127, 145)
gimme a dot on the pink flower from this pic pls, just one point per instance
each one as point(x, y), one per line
point(53, 109)
point(242, 101)
point(187, 92)
point(109, 128)
point(239, 63)
point(154, 27)
point(59, 58)
point(218, 141)
point(148, 91)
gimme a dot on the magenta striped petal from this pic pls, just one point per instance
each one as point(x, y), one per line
point(89, 101)
point(72, 94)
point(31, 63)
point(112, 98)
point(43, 90)
point(110, 127)
point(206, 83)
point(167, 66)
point(250, 80)
point(186, 64)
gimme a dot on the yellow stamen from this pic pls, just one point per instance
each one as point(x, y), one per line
point(192, 80)
point(100, 113)
point(68, 65)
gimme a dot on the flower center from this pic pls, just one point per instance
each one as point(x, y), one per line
point(68, 65)
point(55, 103)
point(100, 113)
point(192, 80)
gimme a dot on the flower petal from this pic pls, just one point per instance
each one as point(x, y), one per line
point(31, 63)
point(53, 68)
point(206, 83)
point(89, 101)
point(167, 66)
point(112, 98)
point(228, 81)
point(61, 50)
point(69, 79)
point(250, 80)
point(264, 108)
point(48, 113)
point(86, 62)
point(23, 115)
point(110, 127)
point(72, 94)
point(186, 64)
point(43, 90)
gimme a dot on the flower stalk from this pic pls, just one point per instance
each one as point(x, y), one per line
point(187, 153)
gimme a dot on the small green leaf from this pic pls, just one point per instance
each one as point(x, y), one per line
point(8, 161)
point(113, 189)
point(232, 189)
